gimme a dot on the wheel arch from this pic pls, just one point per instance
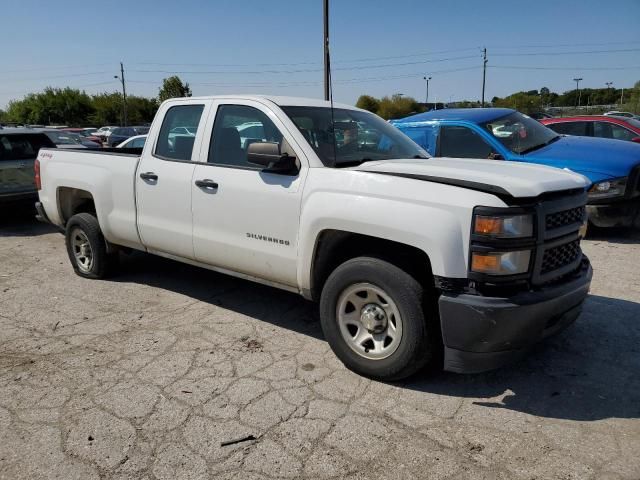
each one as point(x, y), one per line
point(334, 247)
point(74, 200)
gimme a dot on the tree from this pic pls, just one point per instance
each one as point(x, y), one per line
point(173, 87)
point(52, 106)
point(526, 102)
point(397, 106)
point(367, 102)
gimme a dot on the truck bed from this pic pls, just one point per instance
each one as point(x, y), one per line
point(107, 176)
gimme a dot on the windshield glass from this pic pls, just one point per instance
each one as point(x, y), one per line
point(520, 133)
point(351, 136)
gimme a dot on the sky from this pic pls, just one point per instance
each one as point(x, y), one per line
point(275, 46)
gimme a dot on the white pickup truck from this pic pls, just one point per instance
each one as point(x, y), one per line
point(413, 260)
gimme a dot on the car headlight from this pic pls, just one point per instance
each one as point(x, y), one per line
point(608, 188)
point(503, 226)
point(501, 263)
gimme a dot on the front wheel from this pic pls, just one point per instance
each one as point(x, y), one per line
point(372, 314)
point(87, 248)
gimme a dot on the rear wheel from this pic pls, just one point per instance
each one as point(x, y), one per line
point(373, 316)
point(87, 248)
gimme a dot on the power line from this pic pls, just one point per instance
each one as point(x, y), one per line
point(68, 75)
point(308, 70)
point(36, 69)
point(524, 67)
point(531, 54)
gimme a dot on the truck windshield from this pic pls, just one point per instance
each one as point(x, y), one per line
point(350, 137)
point(520, 134)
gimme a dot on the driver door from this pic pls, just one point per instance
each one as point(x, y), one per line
point(457, 141)
point(246, 219)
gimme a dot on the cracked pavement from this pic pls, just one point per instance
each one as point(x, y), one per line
point(144, 375)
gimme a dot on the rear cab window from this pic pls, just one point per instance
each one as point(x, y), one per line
point(22, 146)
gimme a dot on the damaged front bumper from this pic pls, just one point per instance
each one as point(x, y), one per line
point(482, 333)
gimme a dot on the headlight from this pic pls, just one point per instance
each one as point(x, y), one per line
point(608, 188)
point(501, 263)
point(498, 226)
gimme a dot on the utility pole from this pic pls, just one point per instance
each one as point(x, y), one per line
point(124, 94)
point(577, 80)
point(326, 48)
point(484, 72)
point(426, 100)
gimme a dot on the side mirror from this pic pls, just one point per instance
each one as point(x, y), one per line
point(636, 139)
point(268, 155)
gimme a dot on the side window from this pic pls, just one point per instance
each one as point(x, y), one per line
point(570, 128)
point(178, 146)
point(235, 128)
point(621, 133)
point(462, 142)
point(602, 130)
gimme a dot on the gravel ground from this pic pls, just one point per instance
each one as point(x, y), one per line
point(144, 375)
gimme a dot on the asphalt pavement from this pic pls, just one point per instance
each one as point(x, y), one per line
point(145, 375)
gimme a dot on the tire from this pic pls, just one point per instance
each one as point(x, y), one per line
point(84, 229)
point(391, 289)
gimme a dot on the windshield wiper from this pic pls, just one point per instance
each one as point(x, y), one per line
point(537, 147)
point(417, 155)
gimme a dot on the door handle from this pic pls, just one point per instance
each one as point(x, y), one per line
point(206, 183)
point(148, 176)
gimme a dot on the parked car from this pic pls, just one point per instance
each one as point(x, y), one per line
point(408, 256)
point(18, 151)
point(504, 134)
point(540, 115)
point(119, 135)
point(134, 142)
point(616, 113)
point(602, 126)
point(64, 139)
point(84, 133)
point(104, 132)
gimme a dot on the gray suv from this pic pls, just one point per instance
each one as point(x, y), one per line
point(18, 151)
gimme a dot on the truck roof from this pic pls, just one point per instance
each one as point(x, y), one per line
point(277, 99)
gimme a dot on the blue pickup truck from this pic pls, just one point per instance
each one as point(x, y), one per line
point(612, 166)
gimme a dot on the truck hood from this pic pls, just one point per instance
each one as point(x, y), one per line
point(512, 179)
point(597, 158)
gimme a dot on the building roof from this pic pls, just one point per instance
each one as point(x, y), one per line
point(475, 115)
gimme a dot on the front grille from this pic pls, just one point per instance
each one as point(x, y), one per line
point(564, 217)
point(560, 256)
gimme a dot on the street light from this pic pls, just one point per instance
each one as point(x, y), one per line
point(608, 84)
point(578, 80)
point(426, 100)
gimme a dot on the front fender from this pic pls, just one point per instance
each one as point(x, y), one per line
point(441, 233)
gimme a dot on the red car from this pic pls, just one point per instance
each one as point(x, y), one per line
point(604, 126)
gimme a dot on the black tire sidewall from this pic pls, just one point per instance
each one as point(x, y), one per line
point(91, 228)
point(416, 346)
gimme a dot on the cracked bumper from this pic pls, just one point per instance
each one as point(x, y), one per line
point(483, 333)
